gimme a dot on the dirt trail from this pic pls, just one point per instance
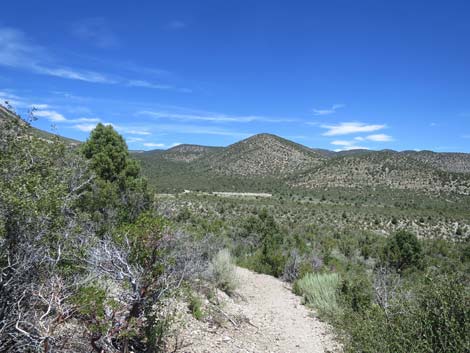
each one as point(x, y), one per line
point(268, 318)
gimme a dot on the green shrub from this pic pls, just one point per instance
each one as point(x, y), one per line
point(432, 317)
point(319, 291)
point(222, 270)
point(356, 292)
point(195, 306)
point(403, 250)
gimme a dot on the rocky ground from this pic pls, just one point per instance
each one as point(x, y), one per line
point(264, 316)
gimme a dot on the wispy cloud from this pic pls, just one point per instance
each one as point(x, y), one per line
point(328, 111)
point(199, 130)
point(347, 145)
point(17, 51)
point(134, 139)
point(50, 115)
point(379, 138)
point(12, 99)
point(159, 145)
point(175, 25)
point(42, 111)
point(84, 127)
point(73, 74)
point(153, 144)
point(350, 128)
point(119, 128)
point(95, 31)
point(213, 117)
point(147, 84)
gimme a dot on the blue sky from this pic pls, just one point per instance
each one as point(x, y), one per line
point(328, 74)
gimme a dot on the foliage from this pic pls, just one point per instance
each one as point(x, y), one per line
point(41, 235)
point(403, 251)
point(118, 185)
point(82, 267)
point(264, 243)
point(319, 291)
point(195, 306)
point(434, 319)
point(222, 270)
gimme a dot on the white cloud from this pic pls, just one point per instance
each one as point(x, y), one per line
point(214, 117)
point(72, 74)
point(328, 111)
point(350, 128)
point(349, 148)
point(17, 51)
point(176, 25)
point(379, 138)
point(56, 117)
point(126, 130)
point(160, 145)
point(12, 99)
point(40, 106)
point(342, 143)
point(50, 115)
point(95, 31)
point(199, 130)
point(134, 139)
point(84, 127)
point(147, 84)
point(152, 144)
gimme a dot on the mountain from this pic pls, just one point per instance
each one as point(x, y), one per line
point(449, 162)
point(262, 155)
point(267, 162)
point(258, 163)
point(385, 169)
point(188, 153)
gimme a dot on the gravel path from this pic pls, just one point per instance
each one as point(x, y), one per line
point(268, 317)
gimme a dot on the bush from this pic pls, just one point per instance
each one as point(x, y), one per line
point(319, 291)
point(434, 318)
point(222, 270)
point(403, 250)
point(195, 306)
point(356, 292)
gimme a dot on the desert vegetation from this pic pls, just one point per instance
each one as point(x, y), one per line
point(94, 258)
point(365, 271)
point(85, 261)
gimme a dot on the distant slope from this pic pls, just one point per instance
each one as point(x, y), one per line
point(266, 163)
point(188, 153)
point(7, 115)
point(387, 169)
point(262, 155)
point(449, 162)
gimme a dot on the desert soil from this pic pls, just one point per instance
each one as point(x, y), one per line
point(264, 316)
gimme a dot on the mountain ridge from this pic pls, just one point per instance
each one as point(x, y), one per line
point(267, 162)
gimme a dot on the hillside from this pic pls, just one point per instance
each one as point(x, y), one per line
point(267, 162)
point(188, 153)
point(262, 155)
point(449, 162)
point(384, 169)
point(7, 115)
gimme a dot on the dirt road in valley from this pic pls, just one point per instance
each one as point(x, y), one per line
point(267, 317)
